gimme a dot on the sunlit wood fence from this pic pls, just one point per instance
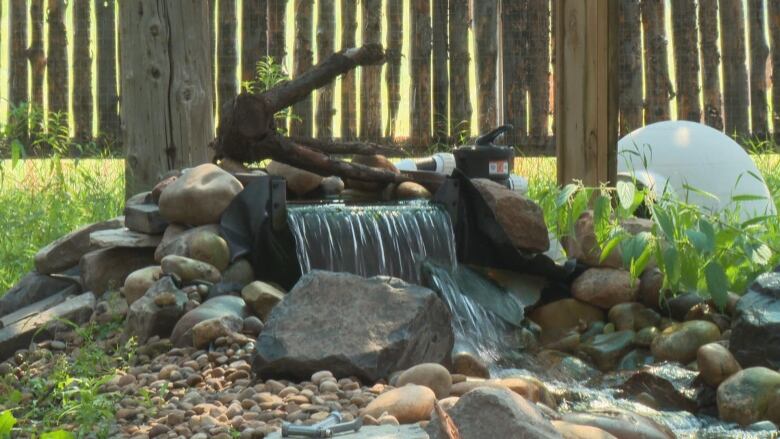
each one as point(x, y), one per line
point(454, 67)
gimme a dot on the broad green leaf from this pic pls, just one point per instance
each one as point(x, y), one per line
point(665, 222)
point(671, 263)
point(626, 191)
point(578, 206)
point(639, 265)
point(7, 422)
point(634, 247)
point(701, 192)
point(689, 270)
point(58, 434)
point(717, 283)
point(565, 194)
point(610, 246)
point(601, 215)
point(699, 241)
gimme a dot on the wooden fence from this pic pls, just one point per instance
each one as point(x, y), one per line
point(454, 67)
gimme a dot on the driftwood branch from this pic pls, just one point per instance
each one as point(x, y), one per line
point(349, 148)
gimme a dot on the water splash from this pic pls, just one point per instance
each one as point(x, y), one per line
point(371, 240)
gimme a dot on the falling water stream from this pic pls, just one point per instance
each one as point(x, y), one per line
point(415, 241)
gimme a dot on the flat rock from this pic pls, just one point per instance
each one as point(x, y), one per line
point(108, 268)
point(145, 218)
point(755, 332)
point(33, 287)
point(19, 335)
point(331, 321)
point(66, 251)
point(123, 237)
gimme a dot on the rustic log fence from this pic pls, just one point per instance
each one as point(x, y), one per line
point(454, 67)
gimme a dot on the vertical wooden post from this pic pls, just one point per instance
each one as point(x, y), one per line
point(686, 59)
point(710, 63)
point(254, 37)
point(539, 69)
point(421, 72)
point(107, 94)
point(774, 34)
point(17, 75)
point(395, 39)
point(371, 76)
point(460, 110)
point(440, 73)
point(514, 28)
point(326, 24)
point(486, 37)
point(57, 57)
point(586, 90)
point(657, 82)
point(630, 60)
point(759, 53)
point(35, 52)
point(348, 85)
point(277, 48)
point(166, 88)
point(227, 54)
point(82, 69)
point(735, 77)
point(301, 123)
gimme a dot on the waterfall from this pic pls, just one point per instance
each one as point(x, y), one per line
point(371, 240)
point(413, 241)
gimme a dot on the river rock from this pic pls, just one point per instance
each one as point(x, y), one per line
point(178, 240)
point(410, 190)
point(147, 318)
point(632, 316)
point(574, 431)
point(559, 317)
point(209, 247)
point(651, 282)
point(678, 306)
point(229, 307)
point(299, 182)
point(205, 332)
point(139, 281)
point(199, 196)
point(521, 218)
point(645, 336)
point(239, 272)
point(584, 246)
point(296, 342)
point(755, 333)
point(494, 413)
point(680, 341)
point(106, 269)
point(605, 287)
point(635, 359)
point(145, 218)
point(607, 349)
point(408, 404)
point(262, 297)
point(716, 363)
point(190, 270)
point(566, 367)
point(66, 251)
point(434, 376)
point(621, 424)
point(708, 312)
point(670, 387)
point(123, 237)
point(748, 395)
point(158, 189)
point(32, 288)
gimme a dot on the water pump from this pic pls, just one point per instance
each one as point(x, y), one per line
point(484, 159)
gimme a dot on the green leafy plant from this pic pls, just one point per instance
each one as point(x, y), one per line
point(7, 422)
point(268, 74)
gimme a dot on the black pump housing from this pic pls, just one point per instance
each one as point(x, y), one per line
point(484, 159)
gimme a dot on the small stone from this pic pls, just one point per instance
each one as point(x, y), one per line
point(716, 363)
point(252, 326)
point(432, 375)
point(605, 287)
point(317, 377)
point(262, 297)
point(209, 330)
point(408, 404)
point(165, 299)
point(680, 342)
point(190, 270)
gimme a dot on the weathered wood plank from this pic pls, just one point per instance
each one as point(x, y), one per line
point(371, 76)
point(348, 81)
point(17, 74)
point(441, 77)
point(586, 90)
point(394, 48)
point(82, 69)
point(460, 60)
point(759, 54)
point(227, 53)
point(774, 33)
point(421, 72)
point(657, 82)
point(254, 36)
point(539, 67)
point(686, 57)
point(486, 55)
point(57, 57)
point(630, 60)
point(710, 59)
point(277, 10)
point(301, 123)
point(735, 77)
point(105, 51)
point(514, 26)
point(326, 24)
point(166, 88)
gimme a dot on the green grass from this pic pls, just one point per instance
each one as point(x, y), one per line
point(41, 200)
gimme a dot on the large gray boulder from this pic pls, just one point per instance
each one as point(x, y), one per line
point(487, 412)
point(353, 326)
point(755, 332)
point(156, 312)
